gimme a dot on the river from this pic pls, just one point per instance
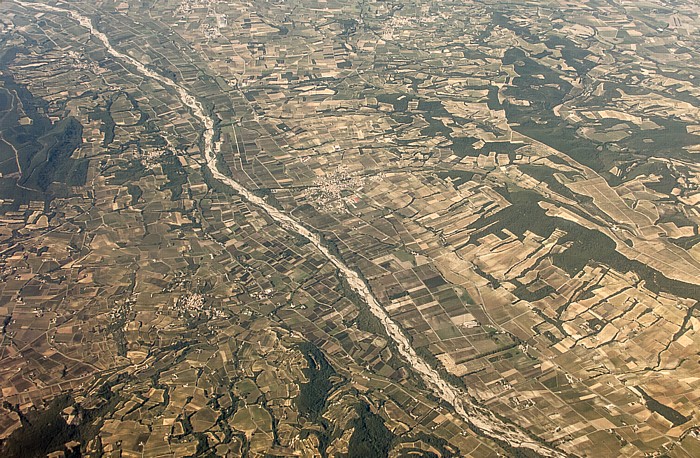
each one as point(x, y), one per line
point(478, 416)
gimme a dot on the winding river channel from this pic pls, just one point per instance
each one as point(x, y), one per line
point(479, 417)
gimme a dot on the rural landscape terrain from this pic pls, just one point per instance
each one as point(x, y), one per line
point(350, 228)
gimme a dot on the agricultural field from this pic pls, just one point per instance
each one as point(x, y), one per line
point(326, 228)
